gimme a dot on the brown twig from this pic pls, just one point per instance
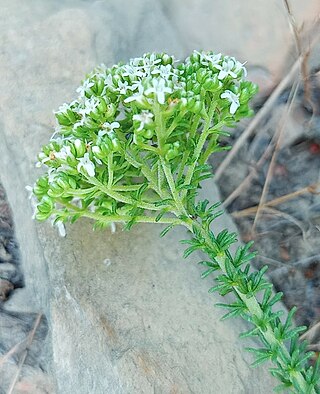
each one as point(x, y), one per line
point(12, 351)
point(275, 153)
point(293, 26)
point(25, 353)
point(301, 52)
point(252, 174)
point(266, 107)
point(288, 217)
point(259, 116)
point(279, 200)
point(297, 264)
point(310, 333)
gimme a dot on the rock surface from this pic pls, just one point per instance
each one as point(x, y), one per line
point(126, 314)
point(254, 31)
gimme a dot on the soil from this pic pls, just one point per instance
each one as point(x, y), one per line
point(23, 334)
point(286, 233)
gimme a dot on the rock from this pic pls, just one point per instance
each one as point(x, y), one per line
point(254, 31)
point(6, 288)
point(126, 313)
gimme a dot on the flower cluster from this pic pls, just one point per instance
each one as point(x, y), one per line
point(134, 146)
point(118, 110)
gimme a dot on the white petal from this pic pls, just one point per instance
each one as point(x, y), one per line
point(161, 97)
point(233, 108)
point(61, 229)
point(222, 74)
point(90, 168)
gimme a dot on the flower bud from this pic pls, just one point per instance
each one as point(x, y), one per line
point(98, 87)
point(55, 190)
point(63, 119)
point(211, 84)
point(80, 148)
point(195, 58)
point(102, 107)
point(201, 75)
point(110, 111)
point(62, 183)
point(44, 208)
point(72, 182)
point(166, 59)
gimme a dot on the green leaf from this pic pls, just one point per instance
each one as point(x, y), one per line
point(190, 250)
point(159, 216)
point(250, 333)
point(167, 201)
point(207, 272)
point(166, 230)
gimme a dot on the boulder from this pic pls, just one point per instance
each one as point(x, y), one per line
point(126, 313)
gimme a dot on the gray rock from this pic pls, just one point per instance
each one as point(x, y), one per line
point(254, 31)
point(126, 313)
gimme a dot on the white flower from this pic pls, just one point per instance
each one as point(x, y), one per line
point(79, 123)
point(206, 59)
point(60, 226)
point(87, 164)
point(226, 69)
point(163, 71)
point(233, 99)
point(63, 108)
point(132, 71)
point(122, 87)
point(149, 61)
point(89, 106)
point(159, 88)
point(109, 81)
point(108, 128)
point(83, 89)
point(145, 117)
point(240, 66)
point(138, 96)
point(65, 151)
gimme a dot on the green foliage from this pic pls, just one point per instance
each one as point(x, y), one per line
point(133, 147)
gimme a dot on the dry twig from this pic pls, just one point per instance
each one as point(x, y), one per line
point(252, 174)
point(280, 200)
point(25, 353)
point(301, 52)
point(259, 116)
point(275, 153)
point(311, 333)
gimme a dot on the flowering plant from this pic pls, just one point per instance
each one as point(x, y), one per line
point(134, 146)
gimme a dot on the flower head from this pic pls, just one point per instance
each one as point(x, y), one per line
point(86, 164)
point(227, 68)
point(108, 128)
point(233, 99)
point(159, 88)
point(85, 87)
point(145, 117)
point(209, 58)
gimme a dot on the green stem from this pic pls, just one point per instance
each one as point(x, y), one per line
point(182, 165)
point(114, 218)
point(172, 186)
point(204, 157)
point(110, 170)
point(199, 147)
point(120, 197)
point(254, 309)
